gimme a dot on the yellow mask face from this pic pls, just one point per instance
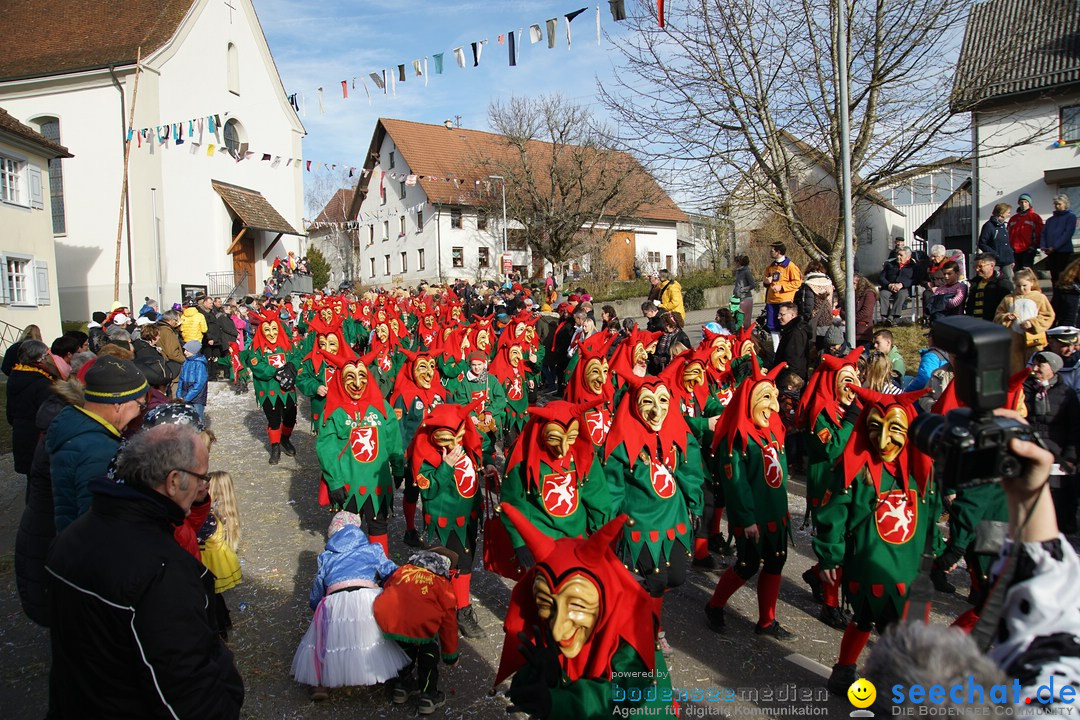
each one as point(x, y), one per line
point(888, 432)
point(846, 380)
point(530, 332)
point(270, 332)
point(519, 329)
point(382, 332)
point(653, 406)
point(429, 321)
point(693, 374)
point(327, 315)
point(721, 354)
point(482, 339)
point(354, 378)
point(596, 374)
point(747, 349)
point(571, 613)
point(329, 344)
point(764, 401)
point(394, 326)
point(447, 438)
point(515, 356)
point(641, 355)
point(424, 372)
point(455, 312)
point(558, 439)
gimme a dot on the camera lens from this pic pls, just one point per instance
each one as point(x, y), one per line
point(926, 430)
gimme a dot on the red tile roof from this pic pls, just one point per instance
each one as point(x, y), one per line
point(52, 37)
point(10, 125)
point(337, 209)
point(438, 156)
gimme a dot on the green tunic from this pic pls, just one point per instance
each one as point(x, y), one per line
point(364, 452)
point(755, 490)
point(412, 414)
point(566, 504)
point(451, 499)
point(659, 498)
point(824, 446)
point(878, 537)
point(466, 390)
point(308, 382)
point(970, 507)
point(384, 372)
point(698, 417)
point(355, 332)
point(263, 365)
point(516, 390)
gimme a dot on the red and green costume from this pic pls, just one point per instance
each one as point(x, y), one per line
point(263, 359)
point(509, 368)
point(316, 369)
point(486, 396)
point(598, 418)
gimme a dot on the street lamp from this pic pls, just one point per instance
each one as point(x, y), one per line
point(502, 182)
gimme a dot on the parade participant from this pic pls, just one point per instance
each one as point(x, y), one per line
point(359, 446)
point(749, 458)
point(317, 368)
point(581, 632)
point(874, 522)
point(827, 411)
point(427, 328)
point(509, 369)
point(719, 343)
point(551, 478)
point(477, 385)
point(417, 391)
point(385, 360)
point(631, 359)
point(589, 383)
point(445, 457)
point(269, 358)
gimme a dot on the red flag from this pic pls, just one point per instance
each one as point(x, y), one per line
point(660, 11)
point(345, 88)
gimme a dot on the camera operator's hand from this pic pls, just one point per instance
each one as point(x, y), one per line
point(1031, 509)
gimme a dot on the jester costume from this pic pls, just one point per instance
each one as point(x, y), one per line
point(581, 632)
point(271, 350)
point(828, 409)
point(654, 473)
point(444, 457)
point(359, 447)
point(486, 396)
point(316, 369)
point(722, 383)
point(552, 480)
point(509, 369)
point(875, 521)
point(589, 385)
point(385, 360)
point(631, 359)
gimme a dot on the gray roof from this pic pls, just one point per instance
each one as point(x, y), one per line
point(1016, 47)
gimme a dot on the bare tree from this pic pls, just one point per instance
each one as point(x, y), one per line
point(745, 95)
point(564, 176)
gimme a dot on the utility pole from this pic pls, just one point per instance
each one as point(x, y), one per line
point(502, 183)
point(845, 168)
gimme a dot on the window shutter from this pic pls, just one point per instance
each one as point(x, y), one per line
point(41, 282)
point(36, 198)
point(3, 281)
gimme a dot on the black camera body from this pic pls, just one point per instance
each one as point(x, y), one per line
point(970, 445)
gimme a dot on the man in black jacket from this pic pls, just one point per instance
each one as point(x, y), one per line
point(211, 342)
point(988, 288)
point(897, 277)
point(130, 632)
point(994, 239)
point(794, 347)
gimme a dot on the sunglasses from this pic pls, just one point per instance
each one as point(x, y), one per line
point(204, 479)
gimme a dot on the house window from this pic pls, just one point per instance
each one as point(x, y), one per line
point(420, 259)
point(942, 186)
point(515, 240)
point(234, 138)
point(455, 218)
point(391, 159)
point(902, 195)
point(18, 271)
point(233, 62)
point(484, 258)
point(481, 219)
point(371, 234)
point(50, 128)
point(385, 230)
point(401, 228)
point(922, 189)
point(1070, 124)
point(371, 268)
point(386, 264)
point(11, 181)
point(404, 262)
point(457, 257)
point(401, 189)
point(654, 259)
point(419, 220)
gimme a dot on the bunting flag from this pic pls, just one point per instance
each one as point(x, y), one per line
point(459, 54)
point(552, 26)
point(535, 34)
point(380, 81)
point(660, 12)
point(319, 93)
point(513, 50)
point(598, 32)
point(418, 70)
point(569, 18)
point(618, 9)
point(438, 58)
point(368, 94)
point(477, 49)
point(345, 86)
point(426, 76)
point(401, 73)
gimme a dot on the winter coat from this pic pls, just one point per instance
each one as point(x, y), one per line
point(893, 272)
point(931, 359)
point(671, 297)
point(1025, 230)
point(349, 555)
point(228, 331)
point(1066, 304)
point(1028, 342)
point(80, 446)
point(984, 296)
point(1058, 232)
point(169, 343)
point(11, 356)
point(744, 283)
point(27, 389)
point(786, 274)
point(824, 297)
point(864, 316)
point(1054, 412)
point(131, 637)
point(37, 528)
point(193, 325)
point(994, 239)
point(159, 372)
point(192, 383)
point(794, 348)
point(416, 606)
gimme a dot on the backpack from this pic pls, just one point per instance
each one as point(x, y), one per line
point(805, 301)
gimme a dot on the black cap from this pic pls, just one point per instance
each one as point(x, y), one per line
point(114, 380)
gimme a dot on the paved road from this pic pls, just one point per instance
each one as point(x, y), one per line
point(283, 531)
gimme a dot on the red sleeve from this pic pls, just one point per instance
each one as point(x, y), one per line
point(185, 533)
point(448, 631)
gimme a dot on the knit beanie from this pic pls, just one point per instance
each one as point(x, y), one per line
point(341, 519)
point(1023, 197)
point(193, 347)
point(113, 380)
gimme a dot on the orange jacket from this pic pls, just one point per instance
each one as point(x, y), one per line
point(788, 277)
point(415, 606)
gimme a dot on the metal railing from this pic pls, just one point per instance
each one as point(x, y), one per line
point(9, 335)
point(226, 284)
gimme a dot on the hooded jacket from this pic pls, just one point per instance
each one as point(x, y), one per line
point(349, 556)
point(80, 446)
point(131, 637)
point(192, 324)
point(27, 388)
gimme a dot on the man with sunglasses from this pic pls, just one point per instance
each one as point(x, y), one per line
point(82, 440)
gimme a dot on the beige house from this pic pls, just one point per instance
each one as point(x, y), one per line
point(27, 257)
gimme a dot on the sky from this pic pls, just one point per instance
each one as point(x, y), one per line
point(319, 44)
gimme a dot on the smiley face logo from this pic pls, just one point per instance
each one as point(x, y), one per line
point(862, 693)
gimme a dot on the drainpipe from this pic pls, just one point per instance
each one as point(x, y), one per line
point(127, 189)
point(438, 243)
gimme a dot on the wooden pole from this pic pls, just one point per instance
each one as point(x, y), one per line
point(124, 184)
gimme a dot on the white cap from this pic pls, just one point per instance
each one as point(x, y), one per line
point(120, 319)
point(143, 320)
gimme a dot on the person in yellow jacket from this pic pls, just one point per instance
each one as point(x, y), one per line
point(192, 324)
point(782, 279)
point(671, 294)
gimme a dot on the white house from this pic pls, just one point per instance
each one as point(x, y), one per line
point(27, 259)
point(419, 215)
point(1018, 75)
point(193, 213)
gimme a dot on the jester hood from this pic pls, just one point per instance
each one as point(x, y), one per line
point(696, 362)
point(447, 416)
point(819, 396)
point(736, 425)
point(349, 370)
point(321, 348)
point(408, 389)
point(711, 342)
point(860, 452)
point(627, 614)
point(636, 345)
point(593, 349)
point(630, 429)
point(260, 342)
point(530, 447)
point(503, 367)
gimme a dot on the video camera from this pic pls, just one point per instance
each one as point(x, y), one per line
point(971, 443)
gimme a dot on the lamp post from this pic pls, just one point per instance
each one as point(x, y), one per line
point(502, 183)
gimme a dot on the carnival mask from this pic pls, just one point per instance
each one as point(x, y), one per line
point(530, 332)
point(558, 439)
point(394, 326)
point(354, 378)
point(429, 321)
point(270, 331)
point(338, 306)
point(327, 315)
point(693, 374)
point(747, 349)
point(424, 371)
point(519, 329)
point(455, 312)
point(382, 332)
point(329, 344)
point(888, 431)
point(447, 438)
point(482, 339)
point(571, 613)
point(653, 406)
point(641, 354)
point(764, 401)
point(846, 379)
point(515, 356)
point(596, 372)
point(720, 355)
